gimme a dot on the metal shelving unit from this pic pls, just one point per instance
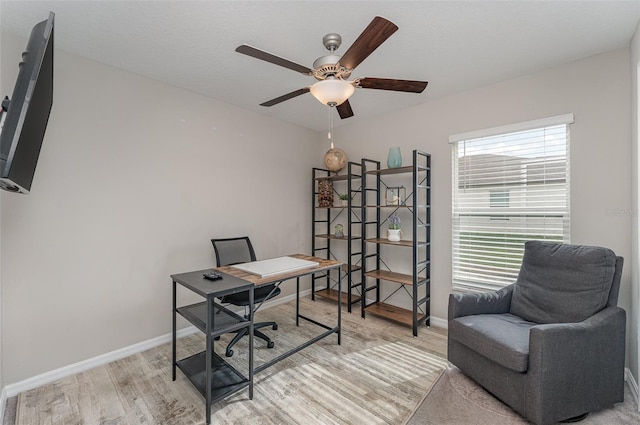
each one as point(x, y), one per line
point(326, 244)
point(376, 269)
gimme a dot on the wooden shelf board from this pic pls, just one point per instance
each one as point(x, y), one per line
point(386, 241)
point(390, 206)
point(344, 238)
point(354, 268)
point(337, 207)
point(332, 294)
point(391, 312)
point(399, 170)
point(335, 177)
point(404, 279)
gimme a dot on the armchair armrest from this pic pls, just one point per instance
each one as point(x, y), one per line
point(589, 354)
point(496, 302)
point(597, 335)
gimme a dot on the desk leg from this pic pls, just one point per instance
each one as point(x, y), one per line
point(339, 305)
point(251, 338)
point(173, 350)
point(298, 301)
point(208, 355)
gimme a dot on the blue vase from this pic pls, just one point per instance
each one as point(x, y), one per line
point(394, 159)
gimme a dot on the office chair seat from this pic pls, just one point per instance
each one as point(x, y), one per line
point(231, 251)
point(259, 295)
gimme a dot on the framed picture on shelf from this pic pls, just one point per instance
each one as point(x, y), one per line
point(395, 196)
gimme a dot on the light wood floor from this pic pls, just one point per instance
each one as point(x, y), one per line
point(376, 376)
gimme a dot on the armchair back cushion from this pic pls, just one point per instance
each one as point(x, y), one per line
point(562, 283)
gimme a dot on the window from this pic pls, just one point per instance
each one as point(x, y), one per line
point(498, 198)
point(510, 185)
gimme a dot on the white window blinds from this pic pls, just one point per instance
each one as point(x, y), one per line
point(510, 185)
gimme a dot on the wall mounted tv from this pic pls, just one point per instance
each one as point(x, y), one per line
point(24, 117)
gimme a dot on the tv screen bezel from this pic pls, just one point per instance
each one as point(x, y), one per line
point(28, 113)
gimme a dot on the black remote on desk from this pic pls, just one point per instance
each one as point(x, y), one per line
point(212, 275)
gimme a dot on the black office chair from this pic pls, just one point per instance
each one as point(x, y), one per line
point(232, 251)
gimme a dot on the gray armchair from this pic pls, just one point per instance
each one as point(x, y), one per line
point(551, 345)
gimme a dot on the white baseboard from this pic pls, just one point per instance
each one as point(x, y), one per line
point(3, 402)
point(439, 323)
point(633, 386)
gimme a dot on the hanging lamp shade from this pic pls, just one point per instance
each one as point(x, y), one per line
point(332, 92)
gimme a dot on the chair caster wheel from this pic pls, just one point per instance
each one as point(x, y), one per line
point(270, 344)
point(217, 338)
point(229, 353)
point(274, 327)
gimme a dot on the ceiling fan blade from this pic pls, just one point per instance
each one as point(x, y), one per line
point(285, 97)
point(392, 84)
point(371, 38)
point(276, 60)
point(344, 109)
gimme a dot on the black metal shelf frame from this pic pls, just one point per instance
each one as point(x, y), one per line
point(420, 209)
point(322, 242)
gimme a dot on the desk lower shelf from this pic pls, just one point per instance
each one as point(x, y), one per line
point(224, 320)
point(225, 379)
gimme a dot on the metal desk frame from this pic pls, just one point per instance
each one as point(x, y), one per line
point(234, 281)
point(324, 265)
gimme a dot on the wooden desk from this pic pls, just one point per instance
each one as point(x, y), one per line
point(324, 265)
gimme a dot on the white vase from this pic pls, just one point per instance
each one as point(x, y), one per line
point(394, 235)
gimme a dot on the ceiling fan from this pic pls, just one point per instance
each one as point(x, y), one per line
point(332, 70)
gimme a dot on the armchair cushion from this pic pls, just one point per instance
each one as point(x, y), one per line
point(561, 283)
point(502, 338)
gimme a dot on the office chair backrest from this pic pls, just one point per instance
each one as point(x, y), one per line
point(231, 251)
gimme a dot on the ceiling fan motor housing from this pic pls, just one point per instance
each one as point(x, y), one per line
point(332, 41)
point(328, 66)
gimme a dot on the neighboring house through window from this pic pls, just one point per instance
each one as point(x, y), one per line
point(498, 198)
point(510, 185)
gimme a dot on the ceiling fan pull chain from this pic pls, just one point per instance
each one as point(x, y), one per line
point(331, 126)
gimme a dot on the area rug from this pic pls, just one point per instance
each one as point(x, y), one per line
point(455, 399)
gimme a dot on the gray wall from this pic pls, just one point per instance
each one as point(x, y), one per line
point(133, 180)
point(634, 314)
point(596, 90)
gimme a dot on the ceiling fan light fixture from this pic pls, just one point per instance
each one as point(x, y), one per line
point(332, 92)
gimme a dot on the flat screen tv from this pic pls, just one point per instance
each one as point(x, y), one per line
point(24, 117)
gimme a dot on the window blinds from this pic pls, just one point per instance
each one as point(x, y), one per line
point(510, 185)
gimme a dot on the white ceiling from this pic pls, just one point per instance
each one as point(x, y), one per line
point(455, 45)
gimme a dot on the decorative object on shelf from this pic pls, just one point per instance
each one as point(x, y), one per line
point(394, 158)
point(344, 199)
point(325, 193)
point(396, 196)
point(339, 231)
point(394, 233)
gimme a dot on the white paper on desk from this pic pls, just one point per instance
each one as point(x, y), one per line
point(273, 266)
